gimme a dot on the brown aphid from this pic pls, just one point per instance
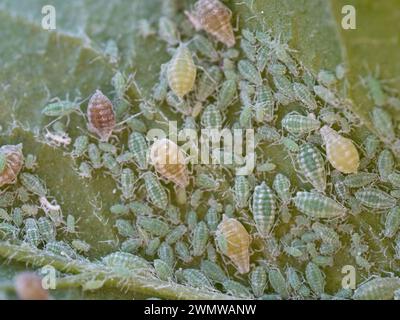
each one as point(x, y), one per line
point(28, 286)
point(215, 18)
point(234, 241)
point(170, 161)
point(12, 161)
point(101, 115)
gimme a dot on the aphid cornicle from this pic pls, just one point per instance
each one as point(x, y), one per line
point(234, 241)
point(375, 198)
point(101, 115)
point(312, 166)
point(215, 18)
point(181, 72)
point(318, 206)
point(169, 160)
point(264, 208)
point(11, 162)
point(340, 152)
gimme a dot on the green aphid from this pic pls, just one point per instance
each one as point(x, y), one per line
point(264, 106)
point(375, 90)
point(277, 69)
point(61, 108)
point(278, 282)
point(33, 183)
point(197, 279)
point(7, 230)
point(249, 49)
point(163, 270)
point(125, 228)
point(191, 219)
point(371, 145)
point(377, 289)
point(161, 88)
point(317, 205)
point(385, 164)
point(155, 191)
point(323, 261)
point(199, 239)
point(153, 226)
point(258, 280)
point(262, 57)
point(298, 124)
point(183, 252)
point(85, 170)
point(80, 146)
point(392, 222)
point(304, 95)
point(80, 245)
point(131, 245)
point(206, 181)
point(290, 144)
point(179, 104)
point(293, 278)
point(360, 179)
point(237, 289)
point(312, 166)
point(176, 234)
point(211, 118)
point(204, 47)
point(125, 157)
point(17, 217)
point(61, 248)
point(268, 133)
point(213, 271)
point(383, 123)
point(166, 253)
point(315, 278)
point(127, 183)
point(137, 125)
point(4, 215)
point(249, 72)
point(213, 218)
point(375, 198)
point(282, 185)
point(30, 162)
point(127, 261)
point(264, 208)
point(47, 229)
point(241, 191)
point(394, 179)
point(111, 164)
point(208, 83)
point(173, 214)
point(326, 95)
point(152, 246)
point(227, 94)
point(94, 155)
point(245, 117)
point(326, 78)
point(326, 234)
point(284, 87)
point(140, 208)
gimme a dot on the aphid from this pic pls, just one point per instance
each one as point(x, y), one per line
point(208, 83)
point(182, 251)
point(326, 95)
point(200, 239)
point(277, 69)
point(136, 125)
point(61, 108)
point(205, 47)
point(385, 164)
point(246, 94)
point(127, 183)
point(127, 261)
point(168, 31)
point(139, 208)
point(284, 87)
point(17, 217)
point(297, 124)
point(61, 248)
point(30, 162)
point(211, 117)
point(84, 170)
point(315, 278)
point(249, 72)
point(226, 94)
point(175, 234)
point(125, 157)
point(394, 179)
point(267, 166)
point(258, 280)
point(264, 104)
point(245, 116)
point(317, 205)
point(326, 78)
point(375, 198)
point(80, 146)
point(377, 289)
point(249, 49)
point(241, 191)
point(47, 229)
point(191, 219)
point(383, 123)
point(80, 245)
point(163, 270)
point(173, 214)
point(278, 282)
point(237, 289)
point(107, 147)
point(303, 95)
point(212, 218)
point(312, 166)
point(32, 234)
point(179, 104)
point(392, 222)
point(293, 278)
point(125, 228)
point(94, 155)
point(131, 245)
point(153, 226)
point(166, 253)
point(262, 57)
point(326, 234)
point(156, 192)
point(264, 208)
point(7, 229)
point(360, 179)
point(169, 160)
point(340, 151)
point(281, 186)
point(234, 241)
point(293, 251)
point(152, 246)
point(215, 18)
point(11, 162)
point(268, 133)
point(28, 286)
point(375, 90)
point(196, 278)
point(4, 215)
point(159, 90)
point(181, 72)
point(206, 181)
point(33, 184)
point(111, 164)
point(101, 116)
point(213, 271)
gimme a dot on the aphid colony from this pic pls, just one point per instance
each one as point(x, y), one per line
point(201, 225)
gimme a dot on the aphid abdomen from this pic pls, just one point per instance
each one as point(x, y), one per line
point(101, 115)
point(265, 104)
point(278, 282)
point(385, 164)
point(215, 18)
point(138, 146)
point(208, 83)
point(281, 186)
point(317, 205)
point(153, 226)
point(12, 161)
point(234, 241)
point(264, 208)
point(169, 160)
point(196, 279)
point(312, 166)
point(211, 117)
point(181, 72)
point(340, 151)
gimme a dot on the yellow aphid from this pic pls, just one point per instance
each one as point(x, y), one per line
point(169, 160)
point(181, 72)
point(234, 241)
point(340, 152)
